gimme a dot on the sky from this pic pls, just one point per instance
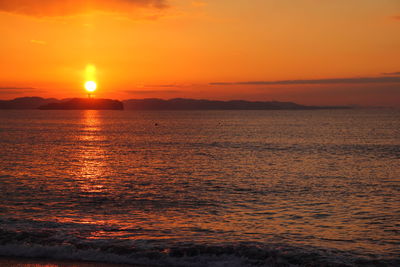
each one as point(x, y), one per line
point(342, 52)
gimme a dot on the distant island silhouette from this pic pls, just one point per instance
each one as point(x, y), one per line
point(83, 104)
point(195, 104)
point(152, 104)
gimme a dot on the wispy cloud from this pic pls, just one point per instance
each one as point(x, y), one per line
point(318, 81)
point(396, 17)
point(71, 7)
point(163, 85)
point(17, 90)
point(391, 73)
point(11, 92)
point(151, 92)
point(38, 42)
point(199, 3)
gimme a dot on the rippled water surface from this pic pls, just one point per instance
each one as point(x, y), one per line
point(202, 187)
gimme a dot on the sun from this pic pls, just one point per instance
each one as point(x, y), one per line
point(90, 86)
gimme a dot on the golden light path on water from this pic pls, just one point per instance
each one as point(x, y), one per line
point(96, 180)
point(92, 158)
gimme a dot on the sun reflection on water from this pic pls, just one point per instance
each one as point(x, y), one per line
point(92, 156)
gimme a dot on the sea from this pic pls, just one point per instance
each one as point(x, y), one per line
point(202, 188)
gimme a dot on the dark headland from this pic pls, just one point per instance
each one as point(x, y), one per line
point(152, 104)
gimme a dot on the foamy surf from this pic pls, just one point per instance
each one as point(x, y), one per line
point(61, 246)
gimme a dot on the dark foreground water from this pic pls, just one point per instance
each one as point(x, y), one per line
point(206, 188)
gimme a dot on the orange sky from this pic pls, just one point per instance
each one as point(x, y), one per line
point(306, 51)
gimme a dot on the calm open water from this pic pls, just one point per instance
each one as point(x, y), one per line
point(202, 188)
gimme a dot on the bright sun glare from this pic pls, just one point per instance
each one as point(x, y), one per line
point(90, 86)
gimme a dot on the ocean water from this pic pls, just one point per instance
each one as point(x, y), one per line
point(202, 188)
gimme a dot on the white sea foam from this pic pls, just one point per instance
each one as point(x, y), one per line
point(70, 253)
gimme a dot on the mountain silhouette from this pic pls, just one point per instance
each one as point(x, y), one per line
point(152, 104)
point(194, 104)
point(26, 102)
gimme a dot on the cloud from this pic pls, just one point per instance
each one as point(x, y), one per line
point(38, 42)
point(163, 85)
point(391, 73)
point(11, 92)
point(150, 92)
point(396, 17)
point(44, 8)
point(17, 90)
point(318, 81)
point(199, 3)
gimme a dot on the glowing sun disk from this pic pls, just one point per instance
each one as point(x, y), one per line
point(90, 86)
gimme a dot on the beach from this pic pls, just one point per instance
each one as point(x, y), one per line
point(35, 262)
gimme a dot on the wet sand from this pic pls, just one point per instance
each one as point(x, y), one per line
point(32, 262)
